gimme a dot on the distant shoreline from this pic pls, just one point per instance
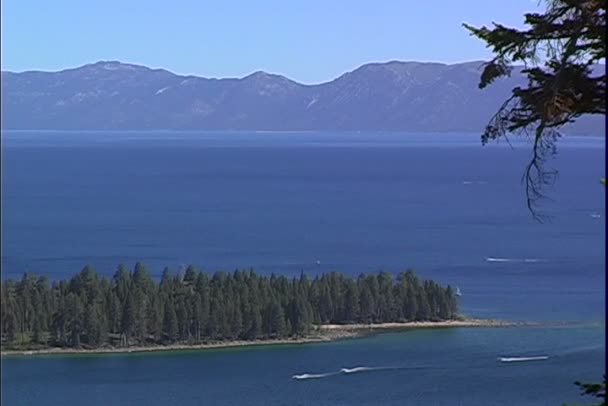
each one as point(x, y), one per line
point(322, 333)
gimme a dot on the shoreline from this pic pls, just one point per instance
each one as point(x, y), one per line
point(322, 333)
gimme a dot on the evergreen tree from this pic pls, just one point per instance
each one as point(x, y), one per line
point(558, 49)
point(236, 320)
point(190, 275)
point(140, 310)
point(127, 323)
point(351, 302)
point(95, 311)
point(122, 283)
point(181, 311)
point(114, 312)
point(170, 326)
point(9, 312)
point(385, 297)
point(255, 329)
point(154, 320)
point(91, 325)
point(278, 327)
point(59, 323)
point(366, 301)
point(75, 313)
point(424, 309)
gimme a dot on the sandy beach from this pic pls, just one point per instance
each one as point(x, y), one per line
point(417, 324)
point(322, 333)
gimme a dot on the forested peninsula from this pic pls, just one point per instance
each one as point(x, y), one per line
point(192, 308)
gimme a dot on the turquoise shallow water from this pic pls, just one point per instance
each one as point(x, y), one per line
point(424, 367)
point(443, 205)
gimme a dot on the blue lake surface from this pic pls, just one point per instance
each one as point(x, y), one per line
point(284, 202)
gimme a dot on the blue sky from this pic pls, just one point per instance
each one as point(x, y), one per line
point(309, 41)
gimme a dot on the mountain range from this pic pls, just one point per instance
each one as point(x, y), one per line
point(391, 96)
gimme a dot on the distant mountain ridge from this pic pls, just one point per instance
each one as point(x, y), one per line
point(390, 96)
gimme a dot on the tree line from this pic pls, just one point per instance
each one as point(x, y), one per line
point(130, 308)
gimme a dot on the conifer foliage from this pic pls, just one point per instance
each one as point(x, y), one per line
point(192, 307)
point(561, 50)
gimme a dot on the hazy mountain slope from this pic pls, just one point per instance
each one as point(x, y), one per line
point(395, 96)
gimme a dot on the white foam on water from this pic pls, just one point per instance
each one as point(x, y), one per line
point(520, 260)
point(367, 369)
point(492, 259)
point(356, 369)
point(345, 371)
point(311, 376)
point(523, 359)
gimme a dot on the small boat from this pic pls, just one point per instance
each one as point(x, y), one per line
point(458, 293)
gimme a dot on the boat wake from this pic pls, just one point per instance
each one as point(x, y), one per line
point(312, 376)
point(520, 260)
point(342, 371)
point(587, 348)
point(523, 359)
point(470, 182)
point(362, 369)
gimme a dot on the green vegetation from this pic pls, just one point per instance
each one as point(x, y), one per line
point(558, 49)
point(597, 390)
point(132, 309)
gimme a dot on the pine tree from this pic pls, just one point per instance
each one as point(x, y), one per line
point(114, 312)
point(170, 327)
point(278, 327)
point(236, 320)
point(75, 311)
point(85, 308)
point(351, 302)
point(190, 275)
point(127, 323)
point(196, 304)
point(155, 317)
point(424, 309)
point(366, 300)
point(385, 297)
point(25, 307)
point(140, 310)
point(60, 322)
point(122, 283)
point(255, 329)
point(181, 311)
point(327, 309)
point(301, 320)
point(9, 312)
point(558, 49)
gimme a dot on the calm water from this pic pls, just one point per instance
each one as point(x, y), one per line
point(441, 204)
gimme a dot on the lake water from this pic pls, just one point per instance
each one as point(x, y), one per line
point(282, 202)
